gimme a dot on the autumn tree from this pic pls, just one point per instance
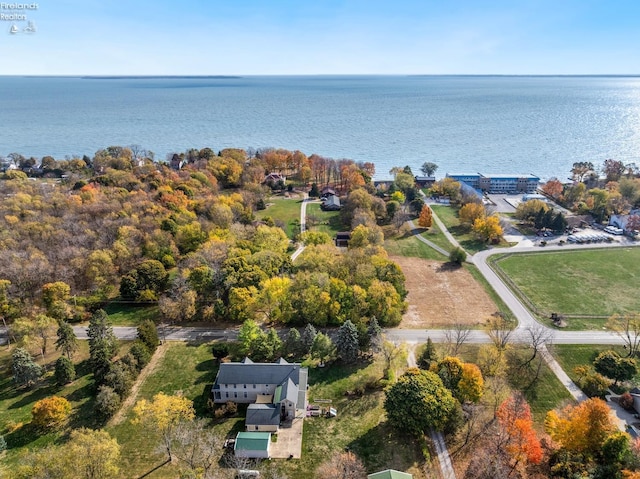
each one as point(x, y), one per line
point(197, 448)
point(419, 401)
point(470, 212)
point(516, 424)
point(610, 364)
point(425, 220)
point(67, 341)
point(471, 384)
point(447, 187)
point(488, 229)
point(581, 169)
point(95, 454)
point(54, 297)
point(345, 465)
point(322, 348)
point(162, 415)
point(51, 412)
point(35, 331)
point(582, 428)
point(553, 188)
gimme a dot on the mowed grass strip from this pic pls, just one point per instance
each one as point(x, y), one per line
point(412, 247)
point(595, 282)
point(285, 212)
point(121, 314)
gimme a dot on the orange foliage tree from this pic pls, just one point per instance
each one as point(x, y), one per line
point(582, 428)
point(553, 188)
point(426, 218)
point(522, 443)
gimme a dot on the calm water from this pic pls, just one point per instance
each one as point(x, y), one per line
point(535, 125)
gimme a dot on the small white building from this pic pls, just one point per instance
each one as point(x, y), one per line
point(253, 445)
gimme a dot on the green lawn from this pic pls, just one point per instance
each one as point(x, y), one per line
point(16, 403)
point(325, 221)
point(570, 356)
point(436, 236)
point(449, 216)
point(186, 368)
point(413, 247)
point(131, 315)
point(360, 425)
point(285, 212)
point(596, 282)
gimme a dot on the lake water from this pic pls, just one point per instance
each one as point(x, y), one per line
point(498, 124)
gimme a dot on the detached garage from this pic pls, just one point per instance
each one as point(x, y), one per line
point(253, 445)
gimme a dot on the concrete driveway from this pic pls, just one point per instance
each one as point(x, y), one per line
point(289, 443)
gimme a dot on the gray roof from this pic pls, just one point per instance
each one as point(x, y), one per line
point(258, 373)
point(262, 415)
point(289, 391)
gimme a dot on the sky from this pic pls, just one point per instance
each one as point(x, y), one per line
point(306, 37)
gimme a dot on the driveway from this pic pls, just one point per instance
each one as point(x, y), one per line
point(289, 443)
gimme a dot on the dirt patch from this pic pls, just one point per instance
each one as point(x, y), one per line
point(440, 296)
point(131, 398)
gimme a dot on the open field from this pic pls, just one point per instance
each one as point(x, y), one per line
point(285, 212)
point(325, 221)
point(595, 282)
point(412, 247)
point(441, 295)
point(436, 236)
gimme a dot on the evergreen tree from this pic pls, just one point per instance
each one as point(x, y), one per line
point(428, 356)
point(374, 332)
point(64, 372)
point(293, 343)
point(25, 370)
point(103, 345)
point(308, 335)
point(67, 341)
point(347, 342)
point(148, 334)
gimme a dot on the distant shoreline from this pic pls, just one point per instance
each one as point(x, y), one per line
point(160, 77)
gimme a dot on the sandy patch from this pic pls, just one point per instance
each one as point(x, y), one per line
point(440, 296)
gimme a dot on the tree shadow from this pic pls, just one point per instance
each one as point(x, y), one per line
point(208, 365)
point(448, 267)
point(201, 402)
point(151, 471)
point(36, 394)
point(22, 436)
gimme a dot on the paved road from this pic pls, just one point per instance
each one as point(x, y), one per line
point(303, 225)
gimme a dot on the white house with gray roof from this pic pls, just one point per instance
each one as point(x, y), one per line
point(274, 391)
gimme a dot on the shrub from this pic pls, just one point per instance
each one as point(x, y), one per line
point(626, 401)
point(119, 378)
point(458, 256)
point(141, 354)
point(148, 334)
point(228, 409)
point(220, 350)
point(107, 403)
point(65, 372)
point(51, 412)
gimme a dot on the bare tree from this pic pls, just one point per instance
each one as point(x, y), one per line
point(538, 337)
point(345, 465)
point(456, 337)
point(197, 447)
point(628, 328)
point(500, 331)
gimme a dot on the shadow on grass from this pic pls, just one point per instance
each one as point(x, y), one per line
point(22, 437)
point(41, 392)
point(208, 365)
point(448, 267)
point(378, 449)
point(200, 403)
point(146, 474)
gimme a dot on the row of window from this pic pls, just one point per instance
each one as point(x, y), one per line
point(244, 386)
point(235, 395)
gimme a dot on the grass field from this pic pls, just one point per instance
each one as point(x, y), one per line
point(570, 356)
point(413, 247)
point(449, 216)
point(436, 236)
point(596, 282)
point(285, 212)
point(130, 315)
point(325, 221)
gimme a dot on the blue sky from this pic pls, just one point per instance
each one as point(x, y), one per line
point(271, 37)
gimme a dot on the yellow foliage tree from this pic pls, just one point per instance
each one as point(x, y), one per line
point(51, 412)
point(582, 428)
point(163, 414)
point(471, 385)
point(488, 229)
point(426, 218)
point(93, 454)
point(470, 212)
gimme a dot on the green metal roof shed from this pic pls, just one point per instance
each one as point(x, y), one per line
point(390, 474)
point(252, 444)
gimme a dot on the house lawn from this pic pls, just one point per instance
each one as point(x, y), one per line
point(131, 315)
point(324, 221)
point(285, 212)
point(595, 282)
